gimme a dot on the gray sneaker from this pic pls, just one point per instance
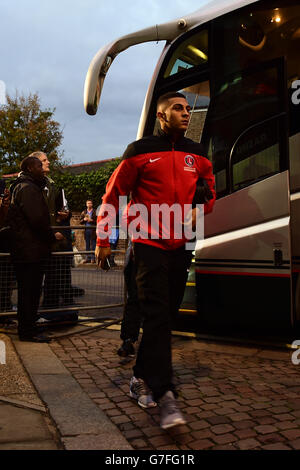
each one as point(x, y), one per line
point(169, 413)
point(140, 392)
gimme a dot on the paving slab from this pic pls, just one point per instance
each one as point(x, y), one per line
point(20, 424)
point(24, 421)
point(14, 380)
point(71, 408)
point(22, 403)
point(39, 358)
point(95, 442)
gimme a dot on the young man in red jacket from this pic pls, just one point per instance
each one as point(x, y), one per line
point(161, 170)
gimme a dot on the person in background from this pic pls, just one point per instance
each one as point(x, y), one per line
point(88, 217)
point(6, 270)
point(4, 205)
point(58, 279)
point(132, 319)
point(32, 237)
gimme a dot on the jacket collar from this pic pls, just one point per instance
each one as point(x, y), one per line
point(160, 133)
point(25, 176)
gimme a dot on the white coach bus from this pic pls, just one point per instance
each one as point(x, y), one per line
point(238, 63)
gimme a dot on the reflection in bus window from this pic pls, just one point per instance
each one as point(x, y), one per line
point(249, 39)
point(198, 97)
point(256, 154)
point(191, 53)
point(240, 101)
point(257, 34)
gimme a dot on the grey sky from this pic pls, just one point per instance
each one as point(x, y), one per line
point(46, 46)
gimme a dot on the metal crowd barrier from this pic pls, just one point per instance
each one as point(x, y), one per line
point(69, 284)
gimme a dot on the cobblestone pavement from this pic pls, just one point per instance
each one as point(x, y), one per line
point(234, 397)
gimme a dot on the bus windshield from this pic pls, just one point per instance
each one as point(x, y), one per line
point(191, 53)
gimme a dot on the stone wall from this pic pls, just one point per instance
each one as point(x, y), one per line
point(79, 233)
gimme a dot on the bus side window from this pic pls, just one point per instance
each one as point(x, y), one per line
point(198, 97)
point(251, 38)
point(241, 101)
point(256, 154)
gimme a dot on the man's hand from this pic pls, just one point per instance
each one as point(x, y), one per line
point(101, 253)
point(191, 218)
point(195, 215)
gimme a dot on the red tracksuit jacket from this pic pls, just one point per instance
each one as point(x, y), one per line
point(155, 172)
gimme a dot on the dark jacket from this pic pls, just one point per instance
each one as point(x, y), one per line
point(94, 219)
point(29, 219)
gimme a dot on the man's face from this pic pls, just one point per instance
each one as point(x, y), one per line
point(89, 205)
point(174, 115)
point(45, 163)
point(36, 169)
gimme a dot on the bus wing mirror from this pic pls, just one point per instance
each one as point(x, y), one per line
point(103, 59)
point(95, 79)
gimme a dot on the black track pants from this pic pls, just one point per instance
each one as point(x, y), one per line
point(161, 278)
point(132, 319)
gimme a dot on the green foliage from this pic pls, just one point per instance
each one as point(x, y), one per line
point(26, 128)
point(79, 188)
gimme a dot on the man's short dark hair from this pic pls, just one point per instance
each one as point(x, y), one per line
point(168, 96)
point(27, 162)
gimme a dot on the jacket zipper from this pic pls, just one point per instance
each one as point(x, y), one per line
point(174, 179)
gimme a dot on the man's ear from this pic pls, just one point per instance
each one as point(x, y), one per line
point(162, 116)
